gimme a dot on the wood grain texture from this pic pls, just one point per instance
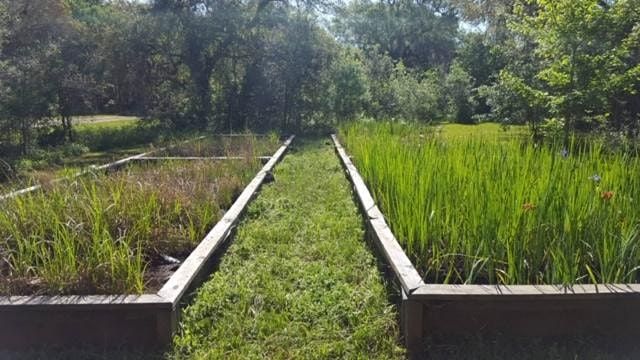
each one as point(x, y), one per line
point(214, 158)
point(512, 292)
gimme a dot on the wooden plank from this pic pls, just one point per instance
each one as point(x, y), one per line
point(402, 267)
point(191, 268)
point(168, 158)
point(366, 200)
point(604, 311)
point(85, 301)
point(538, 292)
point(613, 316)
point(30, 322)
point(395, 255)
point(135, 326)
point(411, 324)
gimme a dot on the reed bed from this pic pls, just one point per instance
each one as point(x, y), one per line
point(103, 234)
point(242, 145)
point(484, 211)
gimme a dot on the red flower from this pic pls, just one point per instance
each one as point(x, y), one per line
point(607, 195)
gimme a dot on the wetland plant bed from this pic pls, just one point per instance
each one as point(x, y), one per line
point(236, 145)
point(49, 311)
point(435, 310)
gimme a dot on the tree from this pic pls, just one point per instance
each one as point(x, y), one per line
point(514, 101)
point(350, 87)
point(29, 53)
point(420, 33)
point(589, 49)
point(458, 86)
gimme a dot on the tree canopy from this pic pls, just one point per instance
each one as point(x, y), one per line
point(219, 65)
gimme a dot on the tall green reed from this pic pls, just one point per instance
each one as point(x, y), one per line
point(484, 211)
point(98, 234)
point(247, 145)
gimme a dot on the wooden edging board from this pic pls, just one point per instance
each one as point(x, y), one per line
point(404, 271)
point(147, 320)
point(199, 158)
point(609, 311)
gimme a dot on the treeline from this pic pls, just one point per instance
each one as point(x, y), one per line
point(556, 65)
point(204, 65)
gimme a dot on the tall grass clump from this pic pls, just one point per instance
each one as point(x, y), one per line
point(247, 145)
point(504, 212)
point(101, 234)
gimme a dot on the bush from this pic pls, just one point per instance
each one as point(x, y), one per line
point(74, 149)
point(350, 88)
point(418, 97)
point(458, 87)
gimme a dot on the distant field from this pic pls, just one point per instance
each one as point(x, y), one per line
point(108, 138)
point(104, 121)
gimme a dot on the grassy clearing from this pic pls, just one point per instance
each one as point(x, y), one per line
point(81, 122)
point(298, 281)
point(106, 234)
point(94, 143)
point(476, 210)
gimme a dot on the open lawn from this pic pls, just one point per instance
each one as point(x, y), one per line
point(98, 121)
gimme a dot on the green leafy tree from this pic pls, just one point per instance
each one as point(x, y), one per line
point(350, 87)
point(420, 33)
point(514, 101)
point(589, 49)
point(31, 49)
point(459, 85)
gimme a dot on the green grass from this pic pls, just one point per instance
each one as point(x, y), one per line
point(247, 145)
point(477, 210)
point(104, 121)
point(100, 234)
point(104, 140)
point(298, 281)
point(484, 130)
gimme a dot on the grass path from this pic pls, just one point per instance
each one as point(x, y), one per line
point(298, 281)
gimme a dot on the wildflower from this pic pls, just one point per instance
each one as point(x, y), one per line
point(595, 178)
point(564, 153)
point(528, 207)
point(607, 195)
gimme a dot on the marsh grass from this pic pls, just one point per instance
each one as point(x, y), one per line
point(477, 210)
point(246, 146)
point(99, 234)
